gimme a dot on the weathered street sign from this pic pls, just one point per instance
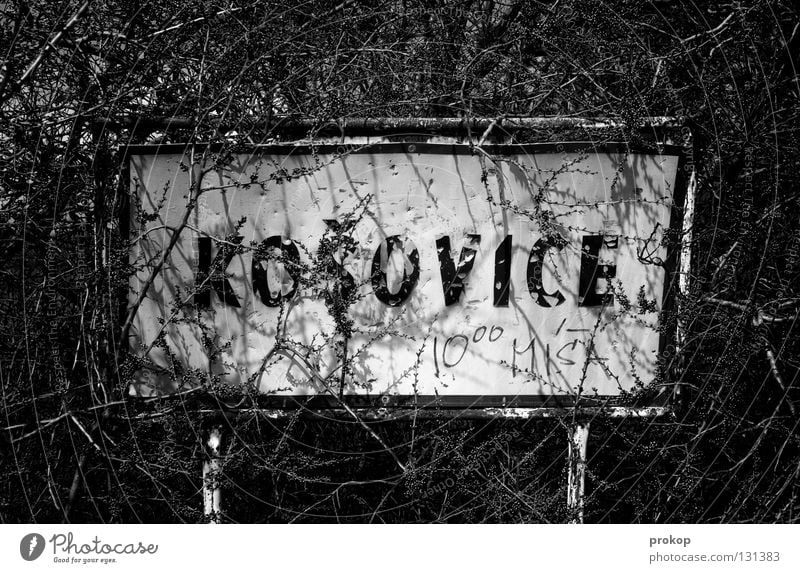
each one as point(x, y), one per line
point(509, 275)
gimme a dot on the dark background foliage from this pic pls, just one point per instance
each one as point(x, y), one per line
point(79, 81)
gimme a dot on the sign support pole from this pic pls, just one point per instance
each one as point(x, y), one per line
point(578, 434)
point(212, 467)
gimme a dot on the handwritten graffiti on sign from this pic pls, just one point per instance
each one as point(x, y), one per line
point(535, 272)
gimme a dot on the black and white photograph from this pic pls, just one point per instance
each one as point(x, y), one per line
point(419, 262)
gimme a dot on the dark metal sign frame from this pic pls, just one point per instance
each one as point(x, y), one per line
point(411, 135)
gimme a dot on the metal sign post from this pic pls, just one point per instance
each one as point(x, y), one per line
point(212, 468)
point(578, 437)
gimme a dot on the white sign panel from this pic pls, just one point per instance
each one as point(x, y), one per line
point(513, 272)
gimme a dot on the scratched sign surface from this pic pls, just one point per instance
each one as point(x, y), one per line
point(530, 271)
